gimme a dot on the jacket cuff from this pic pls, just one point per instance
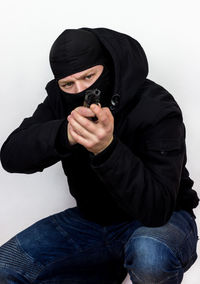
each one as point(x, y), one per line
point(62, 143)
point(104, 155)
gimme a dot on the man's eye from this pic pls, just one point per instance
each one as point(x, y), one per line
point(68, 84)
point(89, 76)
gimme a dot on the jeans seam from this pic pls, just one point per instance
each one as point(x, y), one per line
point(159, 241)
point(64, 233)
point(8, 266)
point(25, 252)
point(19, 270)
point(162, 281)
point(53, 262)
point(192, 255)
point(168, 278)
point(132, 271)
point(165, 246)
point(33, 259)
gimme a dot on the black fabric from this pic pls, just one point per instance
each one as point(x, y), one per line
point(142, 175)
point(74, 51)
point(103, 83)
point(71, 101)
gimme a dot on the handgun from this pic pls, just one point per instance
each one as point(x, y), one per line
point(92, 97)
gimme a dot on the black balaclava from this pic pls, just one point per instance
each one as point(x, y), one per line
point(76, 50)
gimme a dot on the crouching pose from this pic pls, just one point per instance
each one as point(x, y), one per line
point(121, 140)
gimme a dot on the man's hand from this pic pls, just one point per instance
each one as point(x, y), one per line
point(70, 138)
point(94, 136)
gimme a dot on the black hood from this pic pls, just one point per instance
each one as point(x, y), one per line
point(130, 65)
point(130, 62)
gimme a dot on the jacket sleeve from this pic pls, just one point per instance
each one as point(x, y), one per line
point(37, 143)
point(145, 185)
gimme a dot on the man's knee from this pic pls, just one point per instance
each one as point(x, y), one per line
point(150, 261)
point(16, 264)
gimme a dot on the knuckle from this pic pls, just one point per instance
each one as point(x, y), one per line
point(74, 114)
point(90, 144)
point(87, 123)
point(79, 108)
point(107, 111)
point(101, 135)
point(103, 118)
point(72, 122)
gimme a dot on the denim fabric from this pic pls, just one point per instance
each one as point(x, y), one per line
point(162, 254)
point(65, 248)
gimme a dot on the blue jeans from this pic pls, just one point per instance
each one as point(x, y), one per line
point(65, 248)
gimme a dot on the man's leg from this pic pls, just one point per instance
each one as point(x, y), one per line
point(64, 249)
point(16, 266)
point(162, 254)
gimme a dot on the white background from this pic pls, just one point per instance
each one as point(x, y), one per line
point(169, 33)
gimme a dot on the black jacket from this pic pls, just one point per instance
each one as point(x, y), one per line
point(142, 174)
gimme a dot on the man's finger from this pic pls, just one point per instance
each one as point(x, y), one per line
point(83, 121)
point(85, 111)
point(79, 129)
point(101, 114)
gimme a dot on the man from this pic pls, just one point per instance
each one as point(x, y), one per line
point(124, 158)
